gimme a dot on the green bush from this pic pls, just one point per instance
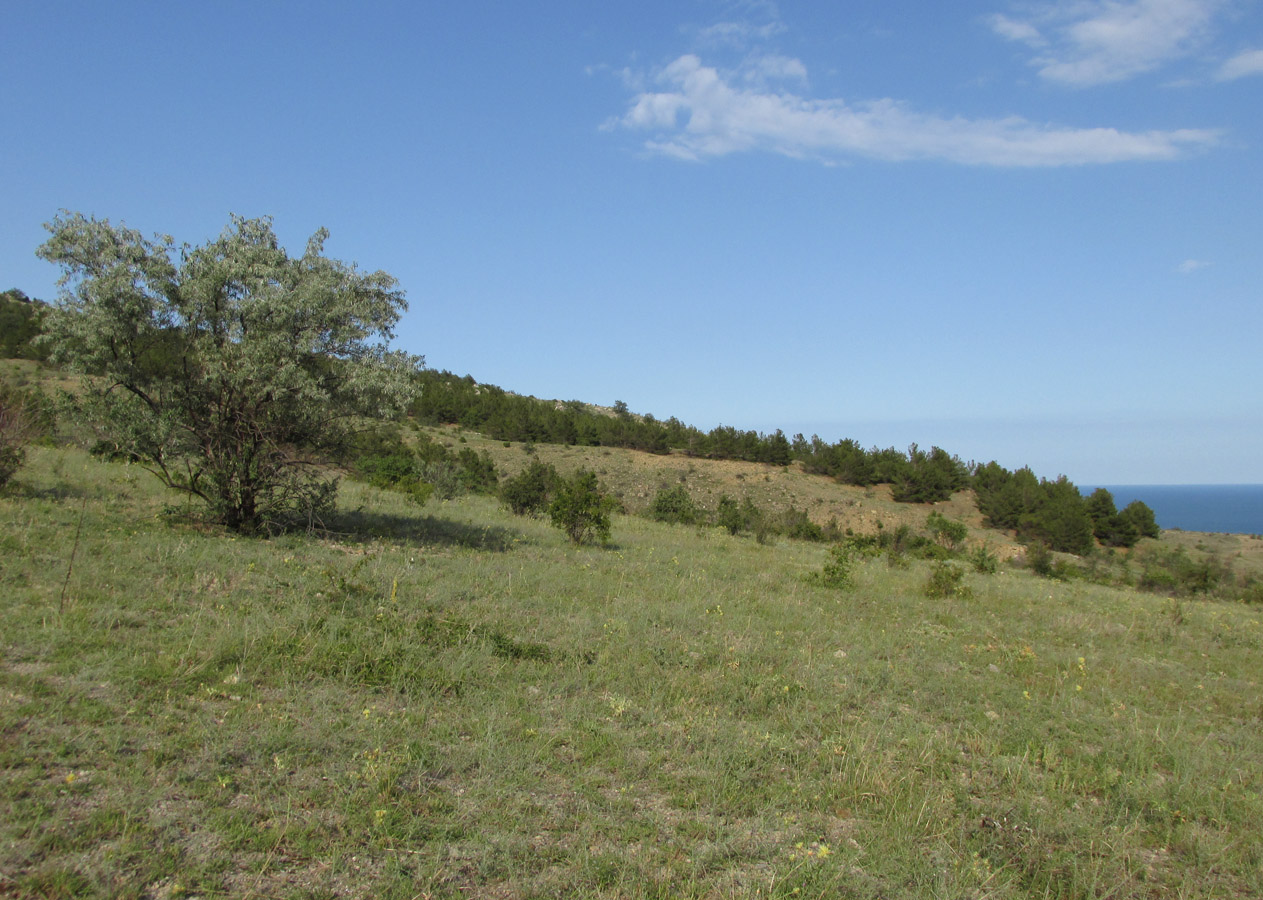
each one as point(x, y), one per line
point(896, 544)
point(927, 549)
point(757, 521)
point(984, 561)
point(17, 429)
point(21, 321)
point(674, 505)
point(582, 509)
point(11, 459)
point(947, 580)
point(445, 476)
point(797, 525)
point(1251, 592)
point(1039, 559)
point(530, 492)
point(1141, 518)
point(729, 516)
point(428, 450)
point(839, 571)
point(232, 369)
point(477, 471)
point(387, 471)
point(1175, 572)
point(867, 546)
point(946, 532)
point(382, 458)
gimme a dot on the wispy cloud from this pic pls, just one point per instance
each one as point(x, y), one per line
point(1014, 30)
point(766, 69)
point(750, 22)
point(700, 112)
point(1089, 42)
point(739, 34)
point(1189, 266)
point(1248, 63)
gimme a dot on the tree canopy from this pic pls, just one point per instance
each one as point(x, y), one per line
point(19, 325)
point(230, 369)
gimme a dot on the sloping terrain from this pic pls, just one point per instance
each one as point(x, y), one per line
point(449, 701)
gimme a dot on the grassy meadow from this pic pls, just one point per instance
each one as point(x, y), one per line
point(449, 701)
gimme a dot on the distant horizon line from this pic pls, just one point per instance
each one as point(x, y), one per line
point(1153, 484)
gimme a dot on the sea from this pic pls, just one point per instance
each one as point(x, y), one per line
point(1229, 508)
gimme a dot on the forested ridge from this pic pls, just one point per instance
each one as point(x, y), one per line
point(1050, 512)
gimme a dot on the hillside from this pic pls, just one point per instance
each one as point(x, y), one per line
point(451, 701)
point(635, 477)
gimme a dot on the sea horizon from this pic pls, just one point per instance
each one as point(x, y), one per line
point(1215, 508)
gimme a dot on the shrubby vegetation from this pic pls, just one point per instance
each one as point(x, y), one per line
point(674, 505)
point(420, 468)
point(1052, 512)
point(350, 636)
point(947, 581)
point(18, 427)
point(229, 370)
point(1037, 510)
point(405, 691)
point(21, 321)
point(915, 476)
point(948, 533)
point(581, 508)
point(578, 504)
point(839, 570)
point(1175, 572)
point(531, 491)
point(1119, 529)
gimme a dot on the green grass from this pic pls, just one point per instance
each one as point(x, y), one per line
point(453, 702)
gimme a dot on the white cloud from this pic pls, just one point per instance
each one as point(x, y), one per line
point(754, 21)
point(1098, 41)
point(739, 34)
point(761, 69)
point(1248, 63)
point(701, 112)
point(1014, 30)
point(1189, 266)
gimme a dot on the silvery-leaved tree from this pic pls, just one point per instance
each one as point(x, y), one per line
point(230, 370)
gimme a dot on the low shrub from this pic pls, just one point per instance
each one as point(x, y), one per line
point(674, 505)
point(839, 571)
point(529, 492)
point(17, 429)
point(797, 525)
point(476, 471)
point(582, 509)
point(728, 515)
point(1175, 572)
point(1039, 559)
point(948, 533)
point(947, 580)
point(983, 560)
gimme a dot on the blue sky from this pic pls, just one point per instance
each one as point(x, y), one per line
point(1028, 231)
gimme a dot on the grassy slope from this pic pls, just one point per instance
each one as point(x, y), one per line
point(454, 702)
point(637, 477)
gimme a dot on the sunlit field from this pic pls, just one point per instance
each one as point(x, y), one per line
point(450, 701)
